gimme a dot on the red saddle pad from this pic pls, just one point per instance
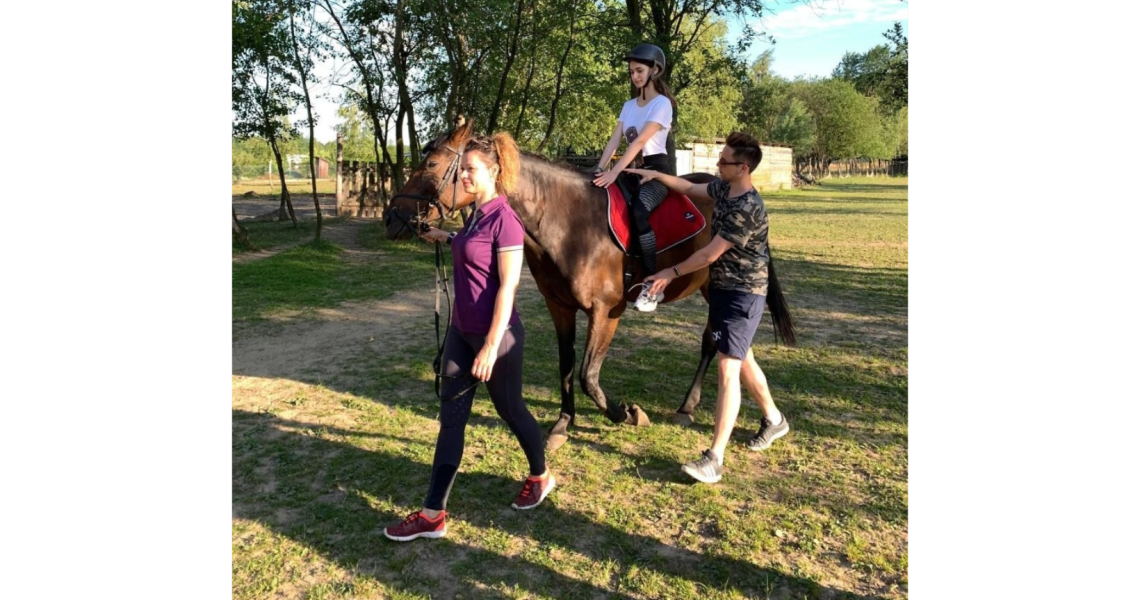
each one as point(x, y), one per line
point(674, 221)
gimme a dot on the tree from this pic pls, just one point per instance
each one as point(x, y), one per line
point(896, 82)
point(846, 122)
point(357, 35)
point(794, 127)
point(240, 234)
point(880, 72)
point(303, 63)
point(708, 105)
point(262, 95)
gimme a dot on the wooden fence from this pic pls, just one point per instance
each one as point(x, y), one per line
point(362, 189)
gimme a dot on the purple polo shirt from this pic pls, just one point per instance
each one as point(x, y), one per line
point(492, 229)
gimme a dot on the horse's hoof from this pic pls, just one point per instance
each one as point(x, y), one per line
point(555, 441)
point(637, 417)
point(684, 420)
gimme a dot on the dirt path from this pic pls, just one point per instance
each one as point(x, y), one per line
point(324, 346)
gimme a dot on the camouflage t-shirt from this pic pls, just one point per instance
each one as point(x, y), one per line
point(742, 220)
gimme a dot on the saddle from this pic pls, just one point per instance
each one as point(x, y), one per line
point(675, 221)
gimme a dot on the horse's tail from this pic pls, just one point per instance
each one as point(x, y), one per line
point(782, 322)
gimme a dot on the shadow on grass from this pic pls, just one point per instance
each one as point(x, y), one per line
point(869, 290)
point(823, 209)
point(863, 188)
point(316, 491)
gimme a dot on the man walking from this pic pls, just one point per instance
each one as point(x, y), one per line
point(738, 255)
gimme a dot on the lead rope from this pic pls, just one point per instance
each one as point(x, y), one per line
point(440, 285)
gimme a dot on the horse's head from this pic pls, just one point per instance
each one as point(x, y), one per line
point(433, 190)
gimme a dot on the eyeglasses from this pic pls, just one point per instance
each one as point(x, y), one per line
point(722, 162)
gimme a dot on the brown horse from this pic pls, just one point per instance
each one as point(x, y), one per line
point(574, 261)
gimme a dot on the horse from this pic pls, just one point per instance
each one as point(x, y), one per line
point(574, 262)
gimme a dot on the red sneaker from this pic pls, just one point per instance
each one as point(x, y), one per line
point(534, 492)
point(418, 525)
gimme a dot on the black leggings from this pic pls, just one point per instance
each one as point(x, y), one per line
point(505, 389)
point(649, 197)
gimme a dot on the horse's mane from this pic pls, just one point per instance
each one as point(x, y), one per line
point(561, 168)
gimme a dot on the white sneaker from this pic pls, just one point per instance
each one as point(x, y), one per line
point(645, 303)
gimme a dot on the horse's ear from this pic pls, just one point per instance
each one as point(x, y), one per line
point(464, 130)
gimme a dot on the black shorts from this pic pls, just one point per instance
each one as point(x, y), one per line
point(734, 317)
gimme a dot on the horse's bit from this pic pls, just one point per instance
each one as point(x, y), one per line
point(418, 221)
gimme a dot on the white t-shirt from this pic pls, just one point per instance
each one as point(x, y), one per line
point(633, 119)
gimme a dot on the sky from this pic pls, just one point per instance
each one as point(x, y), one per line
point(810, 40)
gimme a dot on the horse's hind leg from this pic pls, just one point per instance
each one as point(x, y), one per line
point(684, 414)
point(598, 338)
point(564, 326)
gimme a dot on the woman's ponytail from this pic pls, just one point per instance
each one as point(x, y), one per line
point(508, 154)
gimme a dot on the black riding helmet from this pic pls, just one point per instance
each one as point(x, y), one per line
point(650, 55)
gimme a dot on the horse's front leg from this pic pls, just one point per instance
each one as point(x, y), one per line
point(684, 416)
point(598, 337)
point(564, 326)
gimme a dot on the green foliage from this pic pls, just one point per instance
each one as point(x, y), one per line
point(708, 102)
point(551, 73)
point(262, 81)
point(846, 122)
point(896, 132)
point(795, 127)
point(880, 72)
point(357, 134)
point(252, 156)
point(771, 111)
point(897, 82)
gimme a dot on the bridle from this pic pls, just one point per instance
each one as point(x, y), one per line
point(424, 204)
point(419, 222)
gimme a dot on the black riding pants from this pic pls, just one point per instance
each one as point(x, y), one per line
point(649, 197)
point(505, 389)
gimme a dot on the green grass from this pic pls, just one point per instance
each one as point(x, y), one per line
point(321, 465)
point(267, 234)
point(315, 275)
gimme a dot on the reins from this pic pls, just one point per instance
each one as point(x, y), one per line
point(419, 222)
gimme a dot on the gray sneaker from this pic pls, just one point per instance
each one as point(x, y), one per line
point(704, 469)
point(768, 433)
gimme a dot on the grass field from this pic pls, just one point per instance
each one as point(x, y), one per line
point(266, 187)
point(332, 443)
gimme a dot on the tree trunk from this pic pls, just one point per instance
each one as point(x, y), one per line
point(400, 56)
point(511, 54)
point(633, 11)
point(398, 176)
point(286, 209)
point(526, 90)
point(240, 234)
point(309, 114)
point(372, 107)
point(558, 85)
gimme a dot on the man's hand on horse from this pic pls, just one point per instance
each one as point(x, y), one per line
point(659, 281)
point(434, 235)
point(645, 174)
